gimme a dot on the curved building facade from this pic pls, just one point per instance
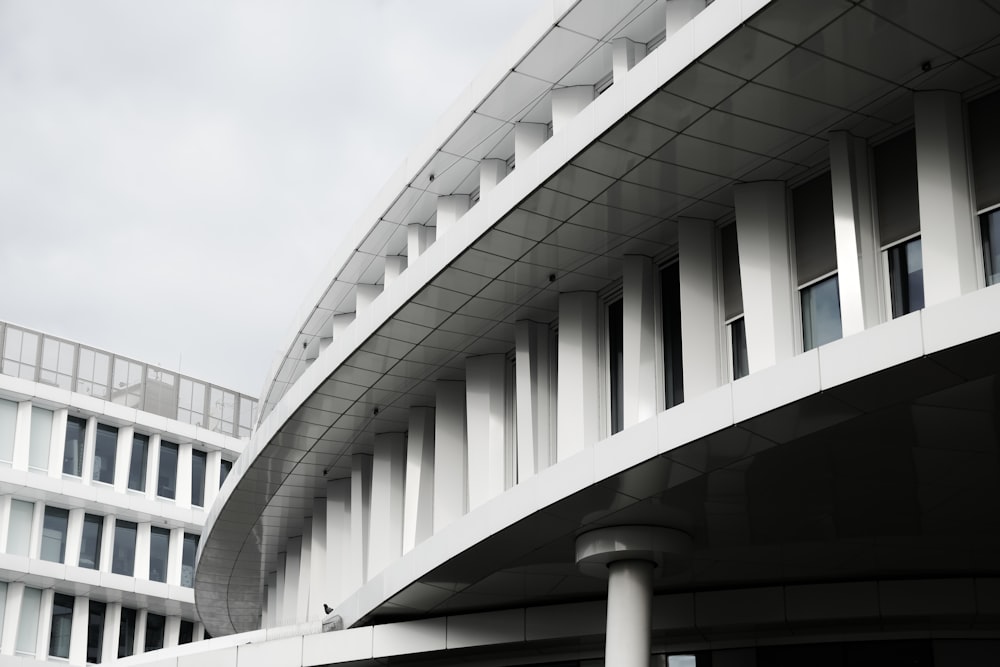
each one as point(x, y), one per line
point(107, 468)
point(675, 343)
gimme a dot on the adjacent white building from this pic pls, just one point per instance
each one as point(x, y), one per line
point(676, 343)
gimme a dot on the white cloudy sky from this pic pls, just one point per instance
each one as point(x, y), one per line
point(175, 174)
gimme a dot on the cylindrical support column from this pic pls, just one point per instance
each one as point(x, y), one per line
point(701, 325)
point(450, 486)
point(418, 506)
point(485, 402)
point(639, 336)
point(341, 580)
point(536, 398)
point(578, 396)
point(630, 602)
point(317, 561)
point(388, 474)
point(361, 498)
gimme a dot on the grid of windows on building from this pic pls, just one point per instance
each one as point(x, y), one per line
point(34, 356)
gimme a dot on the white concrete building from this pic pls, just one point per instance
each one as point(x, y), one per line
point(676, 343)
point(107, 468)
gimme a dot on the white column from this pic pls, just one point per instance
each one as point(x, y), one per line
point(364, 295)
point(340, 322)
point(579, 378)
point(74, 536)
point(317, 562)
point(142, 533)
point(947, 216)
point(630, 600)
point(213, 469)
point(680, 12)
point(57, 446)
point(183, 488)
point(491, 172)
point(123, 457)
point(639, 339)
point(701, 309)
point(394, 267)
point(341, 579)
point(12, 610)
point(361, 496)
point(4, 521)
point(449, 209)
point(416, 241)
point(567, 103)
point(765, 272)
point(280, 608)
point(536, 399)
point(152, 465)
point(293, 570)
point(388, 476)
point(270, 613)
point(140, 631)
point(44, 623)
point(303, 597)
point(89, 446)
point(855, 233)
point(486, 426)
point(78, 631)
point(171, 631)
point(112, 631)
point(107, 542)
point(624, 55)
point(22, 436)
point(175, 556)
point(418, 507)
point(450, 487)
point(37, 519)
point(528, 138)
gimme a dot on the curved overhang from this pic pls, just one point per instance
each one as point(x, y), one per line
point(734, 96)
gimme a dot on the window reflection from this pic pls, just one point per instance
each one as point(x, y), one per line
point(20, 353)
point(906, 277)
point(191, 402)
point(126, 383)
point(92, 370)
point(57, 363)
point(821, 313)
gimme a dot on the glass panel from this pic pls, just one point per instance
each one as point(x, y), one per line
point(222, 411)
point(821, 313)
point(247, 409)
point(8, 421)
point(225, 467)
point(54, 534)
point(20, 354)
point(105, 451)
point(62, 626)
point(73, 451)
point(41, 438)
point(682, 661)
point(166, 485)
point(896, 188)
point(159, 548)
point(738, 339)
point(984, 145)
point(95, 631)
point(19, 527)
point(123, 554)
point(161, 392)
point(57, 363)
point(186, 635)
point(187, 559)
point(906, 277)
point(732, 287)
point(812, 217)
point(673, 360)
point(92, 372)
point(199, 465)
point(155, 626)
point(616, 365)
point(191, 402)
point(90, 542)
point(126, 383)
point(126, 633)
point(137, 465)
point(989, 224)
point(27, 622)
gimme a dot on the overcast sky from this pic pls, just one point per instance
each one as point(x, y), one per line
point(174, 175)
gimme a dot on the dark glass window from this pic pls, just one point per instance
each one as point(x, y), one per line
point(186, 635)
point(989, 224)
point(95, 631)
point(741, 362)
point(673, 360)
point(190, 550)
point(821, 313)
point(616, 363)
point(123, 554)
point(73, 452)
point(126, 633)
point(225, 467)
point(104, 454)
point(906, 277)
point(166, 485)
point(54, 534)
point(137, 465)
point(199, 466)
point(90, 541)
point(155, 629)
point(159, 547)
point(62, 625)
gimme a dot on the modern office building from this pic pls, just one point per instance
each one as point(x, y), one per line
point(675, 343)
point(107, 468)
